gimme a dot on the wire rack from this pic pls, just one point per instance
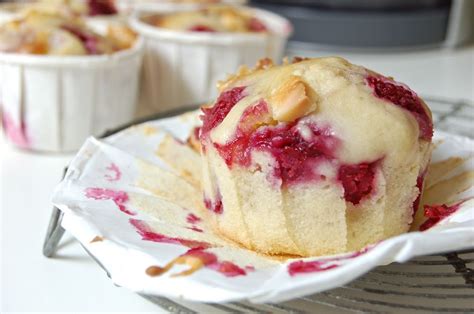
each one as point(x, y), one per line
point(441, 283)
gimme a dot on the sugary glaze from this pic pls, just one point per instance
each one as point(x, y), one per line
point(214, 18)
point(54, 34)
point(314, 157)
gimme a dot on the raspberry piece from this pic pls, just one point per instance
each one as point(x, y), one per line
point(101, 7)
point(296, 155)
point(404, 97)
point(202, 28)
point(435, 213)
point(255, 25)
point(147, 234)
point(357, 180)
point(216, 114)
point(228, 269)
point(89, 41)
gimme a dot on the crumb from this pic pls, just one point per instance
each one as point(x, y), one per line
point(97, 239)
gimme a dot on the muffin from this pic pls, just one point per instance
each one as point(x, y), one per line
point(43, 33)
point(188, 49)
point(210, 19)
point(312, 158)
point(98, 14)
point(75, 7)
point(68, 8)
point(61, 82)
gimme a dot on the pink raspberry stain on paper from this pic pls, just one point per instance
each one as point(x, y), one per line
point(147, 234)
point(196, 257)
point(211, 261)
point(228, 269)
point(303, 267)
point(195, 228)
point(114, 173)
point(16, 133)
point(299, 267)
point(120, 198)
point(250, 268)
point(193, 220)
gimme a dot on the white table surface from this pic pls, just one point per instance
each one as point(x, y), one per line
point(72, 281)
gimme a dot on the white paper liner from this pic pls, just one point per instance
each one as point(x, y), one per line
point(182, 68)
point(54, 103)
point(126, 256)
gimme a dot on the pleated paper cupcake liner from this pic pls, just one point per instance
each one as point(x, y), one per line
point(182, 68)
point(53, 104)
point(139, 217)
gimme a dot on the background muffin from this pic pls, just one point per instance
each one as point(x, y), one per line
point(184, 61)
point(75, 7)
point(61, 82)
point(51, 34)
point(210, 19)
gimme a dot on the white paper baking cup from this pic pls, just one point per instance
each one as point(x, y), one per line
point(182, 68)
point(52, 103)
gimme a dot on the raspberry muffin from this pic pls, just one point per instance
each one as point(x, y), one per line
point(210, 19)
point(54, 69)
point(315, 157)
point(75, 7)
point(42, 33)
point(219, 39)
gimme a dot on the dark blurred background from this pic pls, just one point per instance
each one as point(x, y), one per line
point(380, 24)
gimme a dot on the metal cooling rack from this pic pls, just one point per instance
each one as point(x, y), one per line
point(442, 283)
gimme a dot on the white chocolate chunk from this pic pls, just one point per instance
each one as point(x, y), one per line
point(291, 101)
